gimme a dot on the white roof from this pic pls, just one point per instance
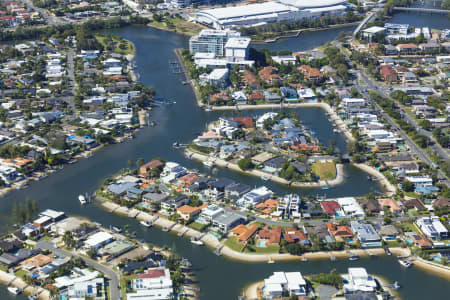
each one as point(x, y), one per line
point(218, 74)
point(374, 29)
point(357, 272)
point(42, 220)
point(295, 278)
point(52, 213)
point(247, 10)
point(238, 42)
point(98, 238)
point(312, 4)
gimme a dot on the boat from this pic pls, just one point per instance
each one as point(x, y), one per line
point(82, 199)
point(271, 261)
point(335, 130)
point(13, 290)
point(208, 109)
point(208, 163)
point(353, 257)
point(304, 258)
point(326, 188)
point(116, 229)
point(265, 177)
point(146, 224)
point(196, 241)
point(405, 263)
point(176, 145)
point(369, 178)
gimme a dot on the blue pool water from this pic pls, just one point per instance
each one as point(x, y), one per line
point(262, 243)
point(390, 239)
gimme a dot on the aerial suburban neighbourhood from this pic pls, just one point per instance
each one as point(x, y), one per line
point(177, 149)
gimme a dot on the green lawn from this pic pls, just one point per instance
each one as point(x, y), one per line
point(409, 227)
point(197, 226)
point(233, 244)
point(21, 274)
point(178, 25)
point(116, 43)
point(325, 170)
point(263, 250)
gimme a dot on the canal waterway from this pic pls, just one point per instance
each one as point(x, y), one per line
point(219, 278)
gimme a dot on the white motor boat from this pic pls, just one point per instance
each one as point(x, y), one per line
point(82, 199)
point(196, 241)
point(13, 290)
point(146, 224)
point(405, 263)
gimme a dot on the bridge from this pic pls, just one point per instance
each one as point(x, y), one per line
point(423, 10)
point(363, 23)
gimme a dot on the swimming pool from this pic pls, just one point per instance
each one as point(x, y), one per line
point(390, 239)
point(262, 243)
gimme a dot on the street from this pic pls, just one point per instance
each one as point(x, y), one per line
point(114, 288)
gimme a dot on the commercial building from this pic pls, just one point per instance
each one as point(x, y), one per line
point(211, 41)
point(269, 12)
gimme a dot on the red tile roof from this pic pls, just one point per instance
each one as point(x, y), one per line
point(330, 207)
point(152, 273)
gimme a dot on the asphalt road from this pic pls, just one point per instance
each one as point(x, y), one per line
point(114, 288)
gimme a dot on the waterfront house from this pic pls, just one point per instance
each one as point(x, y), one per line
point(172, 203)
point(293, 235)
point(357, 279)
point(188, 212)
point(98, 240)
point(210, 212)
point(154, 284)
point(216, 188)
point(236, 190)
point(321, 230)
point(370, 205)
point(227, 220)
point(144, 169)
point(291, 283)
point(351, 207)
point(391, 204)
point(271, 236)
point(366, 234)
point(244, 233)
point(332, 208)
point(407, 48)
point(254, 197)
point(432, 228)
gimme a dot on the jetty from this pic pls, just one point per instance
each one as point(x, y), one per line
point(218, 249)
point(423, 10)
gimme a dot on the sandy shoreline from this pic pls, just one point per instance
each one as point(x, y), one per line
point(431, 267)
point(213, 243)
point(258, 173)
point(390, 188)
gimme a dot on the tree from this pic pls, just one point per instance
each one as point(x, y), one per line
point(130, 164)
point(408, 186)
point(446, 4)
point(140, 162)
point(245, 164)
point(295, 249)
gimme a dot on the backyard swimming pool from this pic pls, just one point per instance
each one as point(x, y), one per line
point(262, 243)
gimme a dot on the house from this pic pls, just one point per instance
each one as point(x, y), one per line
point(244, 233)
point(366, 234)
point(388, 73)
point(370, 205)
point(351, 207)
point(245, 122)
point(255, 96)
point(98, 240)
point(391, 204)
point(432, 228)
point(250, 80)
point(332, 208)
point(281, 283)
point(289, 207)
point(270, 75)
point(420, 181)
point(357, 279)
point(407, 48)
point(414, 204)
point(441, 202)
point(188, 212)
point(153, 284)
point(409, 78)
point(85, 289)
point(210, 212)
point(271, 236)
point(227, 220)
point(339, 231)
point(311, 74)
point(389, 231)
point(172, 203)
point(293, 235)
point(271, 96)
point(144, 169)
point(268, 207)
point(254, 197)
point(216, 189)
point(236, 190)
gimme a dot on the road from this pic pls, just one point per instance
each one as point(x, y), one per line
point(51, 20)
point(410, 143)
point(114, 288)
point(71, 75)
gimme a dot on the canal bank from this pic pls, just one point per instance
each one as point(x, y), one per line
point(181, 122)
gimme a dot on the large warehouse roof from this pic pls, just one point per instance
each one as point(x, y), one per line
point(248, 10)
point(312, 3)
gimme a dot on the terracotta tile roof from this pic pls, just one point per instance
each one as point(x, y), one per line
point(388, 202)
point(239, 229)
point(341, 231)
point(246, 122)
point(149, 166)
point(272, 235)
point(250, 78)
point(244, 236)
point(330, 207)
point(187, 209)
point(190, 178)
point(310, 72)
point(268, 74)
point(256, 96)
point(269, 203)
point(293, 235)
point(407, 46)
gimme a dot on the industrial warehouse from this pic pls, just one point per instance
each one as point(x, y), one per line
point(269, 12)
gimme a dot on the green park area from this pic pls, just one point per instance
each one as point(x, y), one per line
point(325, 170)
